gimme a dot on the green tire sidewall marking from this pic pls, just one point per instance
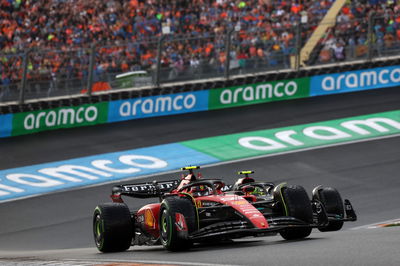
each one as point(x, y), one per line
point(99, 227)
point(283, 200)
point(167, 216)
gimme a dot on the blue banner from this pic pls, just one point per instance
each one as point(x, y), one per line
point(158, 106)
point(43, 178)
point(5, 125)
point(366, 79)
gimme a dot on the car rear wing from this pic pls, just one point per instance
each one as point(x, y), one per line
point(144, 190)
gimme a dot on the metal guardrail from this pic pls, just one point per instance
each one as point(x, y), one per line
point(43, 74)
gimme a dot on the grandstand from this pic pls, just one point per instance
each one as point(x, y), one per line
point(65, 47)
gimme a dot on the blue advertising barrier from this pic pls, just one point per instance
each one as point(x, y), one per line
point(158, 106)
point(375, 78)
point(5, 125)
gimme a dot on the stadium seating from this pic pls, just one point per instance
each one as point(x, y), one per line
point(60, 35)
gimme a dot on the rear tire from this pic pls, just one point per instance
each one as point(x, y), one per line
point(333, 203)
point(171, 238)
point(296, 203)
point(112, 227)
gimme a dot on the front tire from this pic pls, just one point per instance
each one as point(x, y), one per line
point(173, 237)
point(112, 227)
point(333, 204)
point(295, 203)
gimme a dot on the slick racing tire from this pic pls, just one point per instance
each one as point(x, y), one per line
point(174, 231)
point(333, 204)
point(112, 227)
point(295, 203)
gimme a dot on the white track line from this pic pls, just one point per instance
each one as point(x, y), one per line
point(375, 225)
point(154, 262)
point(88, 262)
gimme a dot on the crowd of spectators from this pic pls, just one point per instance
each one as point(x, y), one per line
point(357, 19)
point(127, 32)
point(59, 33)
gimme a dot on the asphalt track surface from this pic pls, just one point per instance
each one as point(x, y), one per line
point(56, 228)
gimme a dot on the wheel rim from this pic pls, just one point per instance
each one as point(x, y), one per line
point(164, 224)
point(164, 227)
point(98, 231)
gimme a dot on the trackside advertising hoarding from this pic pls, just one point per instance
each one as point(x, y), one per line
point(62, 117)
point(5, 125)
point(259, 93)
point(382, 77)
point(158, 106)
point(180, 103)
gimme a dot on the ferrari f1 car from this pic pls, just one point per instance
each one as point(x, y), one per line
point(193, 210)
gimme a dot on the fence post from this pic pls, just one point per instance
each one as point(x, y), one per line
point(25, 62)
point(298, 46)
point(91, 68)
point(158, 66)
point(228, 43)
point(370, 33)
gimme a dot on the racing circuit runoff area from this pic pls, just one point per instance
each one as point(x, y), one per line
point(56, 228)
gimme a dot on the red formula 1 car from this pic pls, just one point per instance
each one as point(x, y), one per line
point(194, 209)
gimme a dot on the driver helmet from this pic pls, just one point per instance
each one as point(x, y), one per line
point(200, 190)
point(242, 181)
